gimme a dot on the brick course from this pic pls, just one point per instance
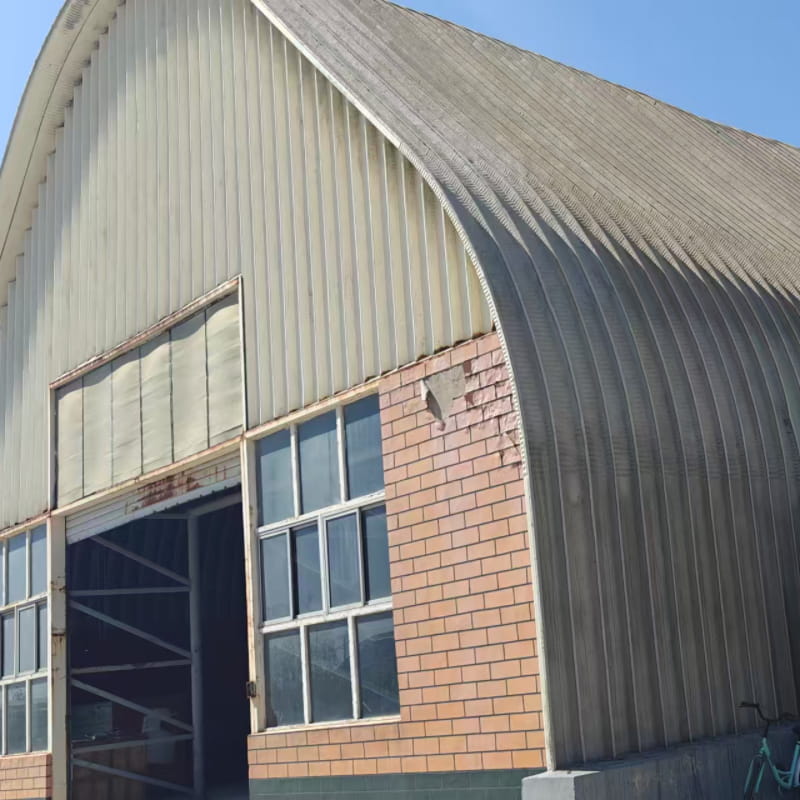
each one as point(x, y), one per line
point(26, 777)
point(461, 587)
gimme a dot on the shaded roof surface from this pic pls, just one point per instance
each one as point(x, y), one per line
point(523, 119)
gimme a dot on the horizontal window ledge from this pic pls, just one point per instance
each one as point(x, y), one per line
point(318, 726)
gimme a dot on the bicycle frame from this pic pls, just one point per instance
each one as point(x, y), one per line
point(785, 778)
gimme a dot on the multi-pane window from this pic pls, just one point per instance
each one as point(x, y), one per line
point(24, 643)
point(326, 594)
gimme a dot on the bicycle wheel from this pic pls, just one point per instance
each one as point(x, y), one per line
point(753, 782)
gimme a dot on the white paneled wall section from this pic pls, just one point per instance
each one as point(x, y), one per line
point(200, 145)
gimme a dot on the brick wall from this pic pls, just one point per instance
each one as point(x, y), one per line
point(461, 585)
point(25, 777)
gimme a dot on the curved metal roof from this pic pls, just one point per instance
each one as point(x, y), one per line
point(641, 263)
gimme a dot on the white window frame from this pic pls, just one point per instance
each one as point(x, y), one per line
point(38, 673)
point(349, 613)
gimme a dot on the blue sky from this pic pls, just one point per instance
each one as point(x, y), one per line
point(733, 61)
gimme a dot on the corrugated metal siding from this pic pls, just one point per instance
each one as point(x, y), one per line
point(109, 428)
point(643, 264)
point(200, 145)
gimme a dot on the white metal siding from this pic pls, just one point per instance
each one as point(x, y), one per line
point(199, 146)
point(172, 383)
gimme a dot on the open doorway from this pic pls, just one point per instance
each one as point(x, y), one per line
point(158, 657)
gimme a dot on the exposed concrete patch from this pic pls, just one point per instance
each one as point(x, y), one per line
point(440, 391)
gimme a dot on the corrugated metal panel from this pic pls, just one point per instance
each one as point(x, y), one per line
point(199, 146)
point(151, 406)
point(642, 265)
point(151, 498)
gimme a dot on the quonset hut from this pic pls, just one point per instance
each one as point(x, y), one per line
point(385, 408)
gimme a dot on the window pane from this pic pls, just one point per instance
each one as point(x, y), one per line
point(39, 715)
point(27, 640)
point(15, 719)
point(275, 478)
point(376, 553)
point(38, 562)
point(284, 679)
point(2, 573)
point(8, 645)
point(44, 637)
point(343, 572)
point(319, 463)
point(377, 666)
point(275, 572)
point(329, 664)
point(362, 421)
point(17, 569)
point(305, 562)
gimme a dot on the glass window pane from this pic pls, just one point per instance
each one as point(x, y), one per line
point(377, 666)
point(8, 645)
point(319, 463)
point(376, 553)
point(305, 563)
point(329, 665)
point(15, 718)
point(38, 561)
point(275, 478)
point(284, 679)
point(39, 715)
point(343, 572)
point(43, 650)
point(362, 422)
point(275, 574)
point(17, 569)
point(2, 573)
point(27, 640)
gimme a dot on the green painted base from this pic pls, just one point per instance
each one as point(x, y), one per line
point(495, 785)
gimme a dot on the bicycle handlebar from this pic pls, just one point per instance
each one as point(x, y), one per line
point(784, 717)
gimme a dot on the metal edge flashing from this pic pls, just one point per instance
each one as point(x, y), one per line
point(48, 92)
point(419, 163)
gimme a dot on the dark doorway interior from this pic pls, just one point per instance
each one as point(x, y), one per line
point(226, 708)
point(133, 592)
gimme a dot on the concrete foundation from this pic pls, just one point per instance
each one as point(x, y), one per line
point(714, 769)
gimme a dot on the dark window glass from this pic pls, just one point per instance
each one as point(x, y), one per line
point(15, 719)
point(17, 569)
point(377, 666)
point(275, 478)
point(275, 572)
point(44, 637)
point(376, 553)
point(343, 573)
point(305, 564)
point(38, 562)
point(27, 639)
point(284, 679)
point(329, 666)
point(8, 645)
point(362, 422)
point(319, 463)
point(39, 715)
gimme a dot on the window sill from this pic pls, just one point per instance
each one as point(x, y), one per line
point(318, 726)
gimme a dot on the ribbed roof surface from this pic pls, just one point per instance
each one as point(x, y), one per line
point(642, 265)
point(526, 122)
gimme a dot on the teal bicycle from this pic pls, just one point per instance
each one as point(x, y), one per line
point(785, 778)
